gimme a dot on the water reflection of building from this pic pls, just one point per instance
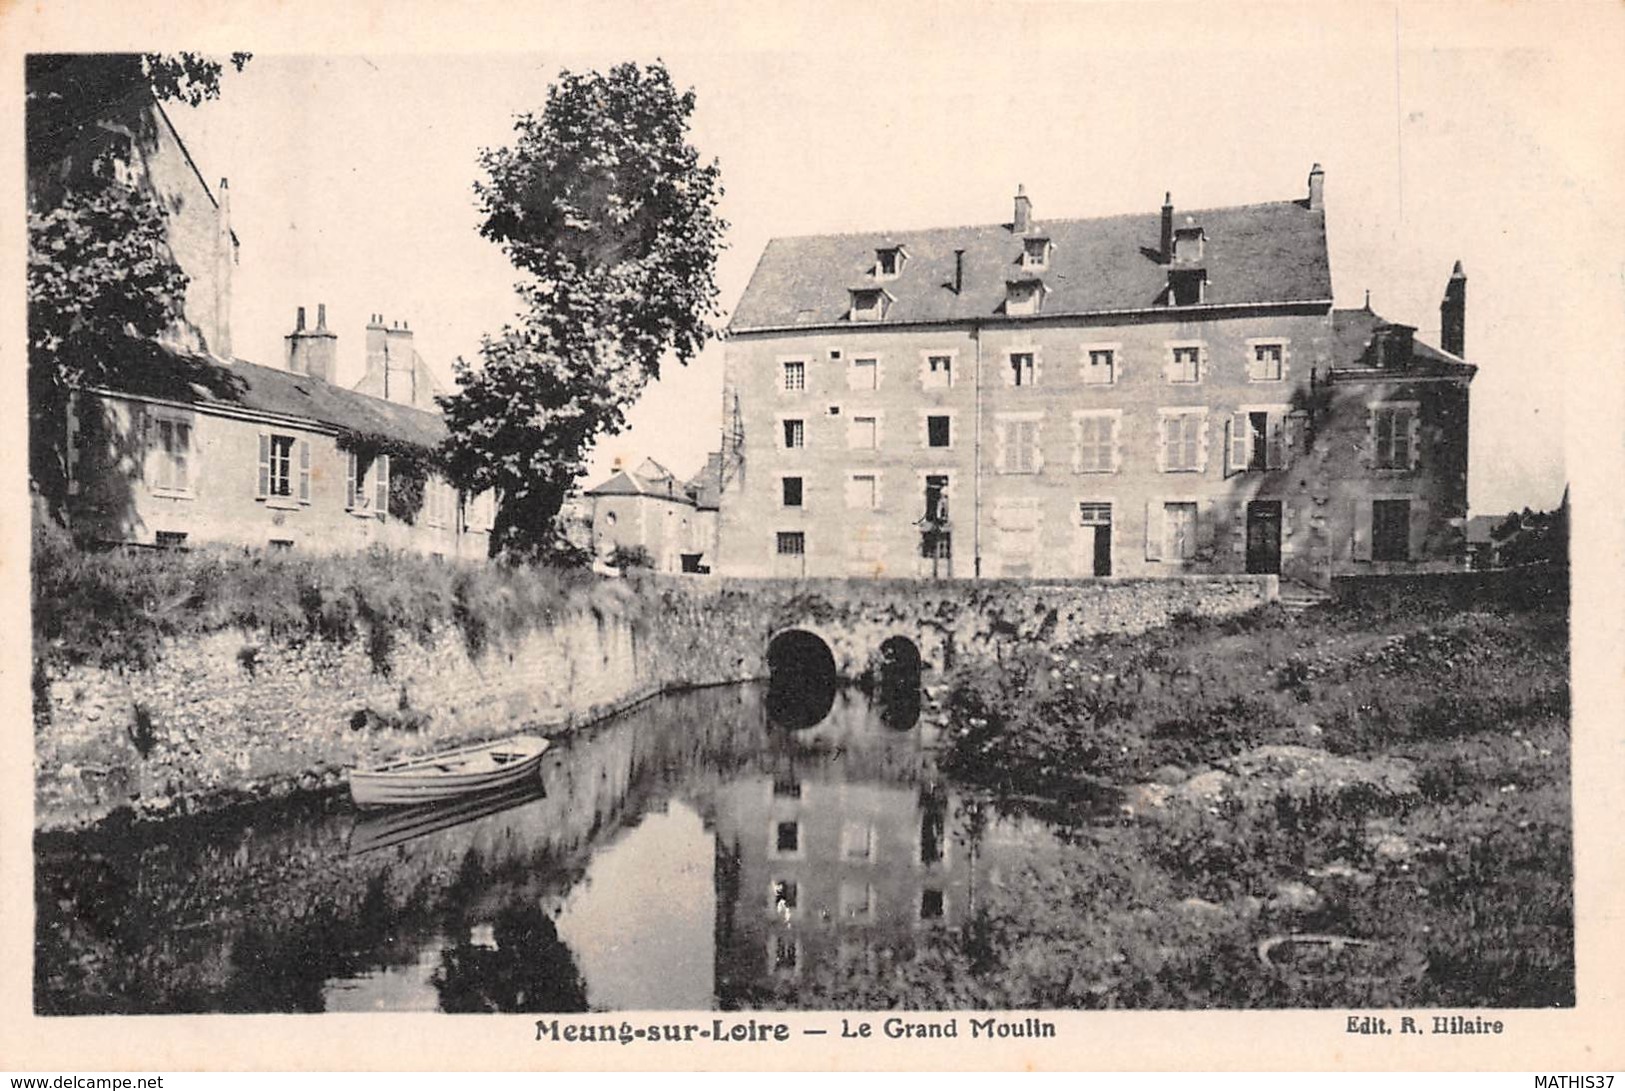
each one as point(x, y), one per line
point(821, 876)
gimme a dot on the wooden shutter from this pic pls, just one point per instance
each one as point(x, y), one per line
point(1197, 443)
point(380, 469)
point(1362, 530)
point(1292, 430)
point(1415, 425)
point(1206, 529)
point(1275, 440)
point(1153, 530)
point(265, 466)
point(349, 481)
point(1112, 425)
point(1236, 441)
point(304, 471)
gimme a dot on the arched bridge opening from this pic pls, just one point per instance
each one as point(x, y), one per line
point(895, 678)
point(801, 679)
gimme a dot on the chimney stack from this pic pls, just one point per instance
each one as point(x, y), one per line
point(1167, 248)
point(313, 352)
point(1317, 188)
point(1453, 314)
point(1023, 221)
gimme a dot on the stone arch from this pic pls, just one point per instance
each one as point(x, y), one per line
point(897, 679)
point(801, 672)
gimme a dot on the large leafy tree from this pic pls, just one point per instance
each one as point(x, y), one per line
point(609, 211)
point(100, 272)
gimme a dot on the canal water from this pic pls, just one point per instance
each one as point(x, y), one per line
point(713, 849)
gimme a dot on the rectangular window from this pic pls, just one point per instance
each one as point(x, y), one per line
point(1097, 444)
point(939, 372)
point(857, 841)
point(170, 539)
point(862, 432)
point(1179, 530)
point(786, 954)
point(1187, 287)
point(1265, 366)
point(936, 429)
point(1017, 523)
point(936, 498)
point(278, 469)
point(171, 463)
point(1035, 253)
point(791, 543)
point(367, 485)
point(1101, 370)
point(1022, 371)
point(864, 374)
point(1020, 447)
point(1186, 365)
point(795, 375)
point(857, 901)
point(860, 492)
point(786, 787)
point(932, 904)
point(795, 434)
point(1258, 441)
point(786, 894)
point(1391, 530)
point(1392, 426)
point(791, 491)
point(281, 544)
point(1182, 442)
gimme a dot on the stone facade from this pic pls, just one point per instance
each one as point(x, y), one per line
point(961, 430)
point(129, 488)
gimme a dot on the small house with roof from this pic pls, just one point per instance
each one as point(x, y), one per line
point(649, 509)
point(1135, 395)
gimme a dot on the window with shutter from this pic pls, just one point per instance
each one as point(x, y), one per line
point(1390, 530)
point(1179, 529)
point(1097, 443)
point(1153, 529)
point(276, 468)
point(1394, 434)
point(1183, 442)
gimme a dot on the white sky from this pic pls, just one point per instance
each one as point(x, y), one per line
point(351, 175)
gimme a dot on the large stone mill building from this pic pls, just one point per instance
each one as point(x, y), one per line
point(1138, 395)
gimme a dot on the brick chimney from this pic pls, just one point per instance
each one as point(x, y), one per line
point(390, 357)
point(1167, 246)
point(1317, 188)
point(313, 352)
point(1023, 221)
point(1453, 314)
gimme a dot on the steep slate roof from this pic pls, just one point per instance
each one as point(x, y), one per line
point(158, 371)
point(1352, 332)
point(706, 486)
point(1264, 253)
point(626, 483)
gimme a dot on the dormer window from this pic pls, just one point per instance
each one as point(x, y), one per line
point(1024, 296)
point(1189, 243)
point(1035, 253)
point(869, 304)
point(889, 262)
point(1187, 287)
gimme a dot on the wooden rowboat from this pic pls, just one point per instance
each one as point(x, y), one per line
point(449, 774)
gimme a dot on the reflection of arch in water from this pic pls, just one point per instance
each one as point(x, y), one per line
point(801, 679)
point(897, 682)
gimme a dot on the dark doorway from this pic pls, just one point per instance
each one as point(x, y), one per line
point(1096, 520)
point(800, 680)
point(1264, 537)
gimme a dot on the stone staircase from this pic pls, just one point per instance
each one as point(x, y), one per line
point(1297, 597)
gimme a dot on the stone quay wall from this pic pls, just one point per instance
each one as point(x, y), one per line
point(234, 715)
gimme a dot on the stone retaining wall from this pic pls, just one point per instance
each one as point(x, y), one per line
point(234, 715)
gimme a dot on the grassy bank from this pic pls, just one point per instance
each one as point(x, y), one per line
point(115, 609)
point(1363, 805)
